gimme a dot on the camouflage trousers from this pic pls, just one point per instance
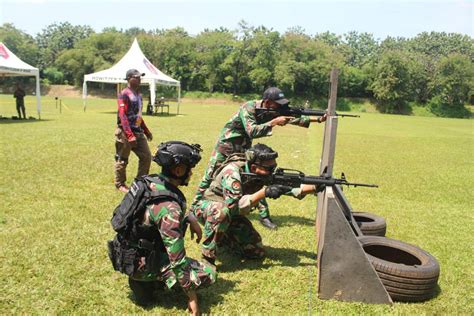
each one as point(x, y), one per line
point(218, 156)
point(194, 275)
point(236, 232)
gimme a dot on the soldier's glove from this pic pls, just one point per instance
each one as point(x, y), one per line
point(320, 188)
point(276, 190)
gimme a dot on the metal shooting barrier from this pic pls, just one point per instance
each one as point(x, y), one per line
point(344, 271)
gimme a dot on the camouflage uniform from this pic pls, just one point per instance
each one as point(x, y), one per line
point(168, 217)
point(223, 208)
point(236, 137)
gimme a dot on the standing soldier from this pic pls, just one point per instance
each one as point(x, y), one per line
point(19, 95)
point(131, 133)
point(237, 136)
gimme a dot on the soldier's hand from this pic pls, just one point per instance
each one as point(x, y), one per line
point(281, 120)
point(320, 188)
point(323, 118)
point(132, 141)
point(195, 229)
point(149, 137)
point(275, 191)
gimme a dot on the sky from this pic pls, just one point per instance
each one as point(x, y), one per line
point(381, 18)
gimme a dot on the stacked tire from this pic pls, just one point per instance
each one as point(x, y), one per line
point(408, 273)
point(370, 224)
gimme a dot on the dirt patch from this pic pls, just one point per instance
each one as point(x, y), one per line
point(63, 91)
point(75, 92)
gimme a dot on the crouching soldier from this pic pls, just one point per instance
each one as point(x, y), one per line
point(230, 198)
point(149, 246)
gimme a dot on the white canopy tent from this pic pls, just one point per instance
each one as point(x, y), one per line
point(12, 66)
point(133, 59)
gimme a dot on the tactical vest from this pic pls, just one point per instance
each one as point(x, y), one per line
point(214, 192)
point(134, 109)
point(135, 239)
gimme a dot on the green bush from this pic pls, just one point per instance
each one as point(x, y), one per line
point(439, 108)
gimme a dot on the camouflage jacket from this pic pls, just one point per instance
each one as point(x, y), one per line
point(242, 128)
point(227, 187)
point(169, 218)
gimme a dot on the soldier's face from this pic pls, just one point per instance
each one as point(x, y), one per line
point(269, 104)
point(264, 168)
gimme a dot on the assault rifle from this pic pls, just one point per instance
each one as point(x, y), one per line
point(295, 178)
point(264, 115)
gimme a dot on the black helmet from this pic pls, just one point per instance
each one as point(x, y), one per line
point(175, 152)
point(259, 153)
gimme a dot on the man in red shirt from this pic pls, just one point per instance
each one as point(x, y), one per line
point(131, 133)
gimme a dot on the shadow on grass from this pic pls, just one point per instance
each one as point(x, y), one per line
point(4, 120)
point(287, 220)
point(176, 298)
point(279, 257)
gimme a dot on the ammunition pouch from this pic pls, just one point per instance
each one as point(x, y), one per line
point(124, 257)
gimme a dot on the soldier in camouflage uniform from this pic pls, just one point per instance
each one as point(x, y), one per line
point(166, 216)
point(228, 200)
point(237, 136)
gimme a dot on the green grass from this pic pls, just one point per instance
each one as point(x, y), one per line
point(57, 197)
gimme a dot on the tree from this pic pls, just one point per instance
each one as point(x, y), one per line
point(20, 43)
point(212, 48)
point(304, 65)
point(455, 80)
point(361, 48)
point(97, 52)
point(173, 53)
point(263, 53)
point(58, 37)
point(391, 83)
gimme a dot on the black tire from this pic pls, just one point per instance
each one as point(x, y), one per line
point(370, 224)
point(408, 273)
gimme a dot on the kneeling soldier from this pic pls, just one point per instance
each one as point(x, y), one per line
point(229, 199)
point(159, 231)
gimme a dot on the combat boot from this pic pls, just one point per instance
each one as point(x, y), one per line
point(267, 222)
point(143, 291)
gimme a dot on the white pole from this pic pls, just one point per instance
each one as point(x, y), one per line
point(84, 94)
point(38, 96)
point(179, 96)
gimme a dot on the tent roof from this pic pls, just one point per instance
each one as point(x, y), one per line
point(134, 58)
point(13, 66)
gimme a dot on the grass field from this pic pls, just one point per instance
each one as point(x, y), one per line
point(57, 197)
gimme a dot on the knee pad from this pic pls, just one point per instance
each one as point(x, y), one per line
point(120, 159)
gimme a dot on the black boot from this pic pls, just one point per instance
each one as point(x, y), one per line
point(143, 291)
point(267, 222)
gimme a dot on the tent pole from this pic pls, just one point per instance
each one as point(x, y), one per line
point(38, 96)
point(179, 97)
point(84, 95)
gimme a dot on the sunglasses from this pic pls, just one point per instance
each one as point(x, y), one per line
point(136, 77)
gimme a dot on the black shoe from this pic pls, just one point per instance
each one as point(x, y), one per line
point(267, 222)
point(143, 291)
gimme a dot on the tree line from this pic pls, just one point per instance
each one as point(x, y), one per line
point(431, 69)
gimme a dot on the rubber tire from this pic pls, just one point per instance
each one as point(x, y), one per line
point(408, 273)
point(370, 224)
